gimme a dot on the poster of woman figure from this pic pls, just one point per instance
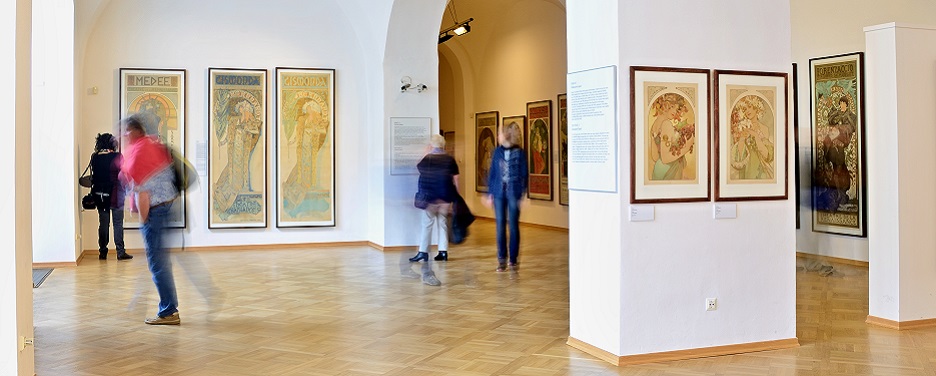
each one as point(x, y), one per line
point(672, 139)
point(539, 149)
point(158, 94)
point(752, 140)
point(486, 133)
point(237, 150)
point(305, 148)
point(669, 135)
point(563, 128)
point(838, 187)
point(751, 137)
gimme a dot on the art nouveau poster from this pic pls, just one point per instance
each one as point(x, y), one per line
point(539, 149)
point(486, 141)
point(158, 95)
point(563, 128)
point(237, 148)
point(669, 135)
point(838, 184)
point(305, 148)
point(751, 136)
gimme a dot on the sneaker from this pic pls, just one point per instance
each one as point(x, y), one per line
point(125, 256)
point(514, 266)
point(501, 268)
point(431, 280)
point(172, 319)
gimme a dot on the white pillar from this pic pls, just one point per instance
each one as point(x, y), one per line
point(638, 289)
point(16, 312)
point(900, 112)
point(56, 193)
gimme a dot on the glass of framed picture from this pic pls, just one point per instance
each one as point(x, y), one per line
point(669, 135)
point(838, 184)
point(237, 109)
point(305, 147)
point(750, 136)
point(158, 96)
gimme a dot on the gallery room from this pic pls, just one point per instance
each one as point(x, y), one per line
point(714, 187)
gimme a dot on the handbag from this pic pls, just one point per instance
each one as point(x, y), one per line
point(85, 179)
point(89, 201)
point(421, 200)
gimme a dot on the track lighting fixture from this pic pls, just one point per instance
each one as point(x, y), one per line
point(459, 28)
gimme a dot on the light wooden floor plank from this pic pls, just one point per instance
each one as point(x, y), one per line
point(356, 311)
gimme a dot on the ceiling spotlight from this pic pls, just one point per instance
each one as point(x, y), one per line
point(463, 29)
point(445, 37)
point(460, 28)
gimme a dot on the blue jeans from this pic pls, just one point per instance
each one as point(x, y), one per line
point(104, 216)
point(507, 206)
point(158, 258)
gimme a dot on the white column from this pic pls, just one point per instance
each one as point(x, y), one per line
point(900, 96)
point(56, 193)
point(638, 289)
point(16, 313)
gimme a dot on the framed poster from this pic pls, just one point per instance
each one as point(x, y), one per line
point(539, 149)
point(237, 148)
point(751, 136)
point(305, 147)
point(520, 121)
point(669, 135)
point(562, 107)
point(486, 140)
point(796, 144)
point(838, 166)
point(158, 95)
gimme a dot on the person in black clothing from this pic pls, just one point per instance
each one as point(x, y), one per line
point(438, 179)
point(105, 167)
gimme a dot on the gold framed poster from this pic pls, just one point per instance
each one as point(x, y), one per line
point(562, 109)
point(159, 95)
point(539, 149)
point(305, 147)
point(486, 140)
point(838, 165)
point(237, 148)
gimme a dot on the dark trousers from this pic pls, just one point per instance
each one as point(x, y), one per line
point(104, 217)
point(507, 213)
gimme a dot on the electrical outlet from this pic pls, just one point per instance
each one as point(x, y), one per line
point(711, 304)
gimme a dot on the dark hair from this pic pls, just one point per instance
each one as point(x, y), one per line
point(843, 100)
point(104, 141)
point(133, 122)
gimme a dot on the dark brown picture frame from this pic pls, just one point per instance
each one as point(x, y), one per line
point(539, 118)
point(751, 85)
point(688, 89)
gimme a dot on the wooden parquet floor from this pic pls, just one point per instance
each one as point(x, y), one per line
point(357, 311)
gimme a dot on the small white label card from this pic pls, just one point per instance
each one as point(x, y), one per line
point(724, 210)
point(641, 213)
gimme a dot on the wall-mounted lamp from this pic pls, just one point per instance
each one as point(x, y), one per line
point(408, 84)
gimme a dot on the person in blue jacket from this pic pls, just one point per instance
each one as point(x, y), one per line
point(507, 185)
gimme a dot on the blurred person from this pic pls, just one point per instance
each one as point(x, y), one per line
point(507, 183)
point(147, 171)
point(437, 189)
point(108, 193)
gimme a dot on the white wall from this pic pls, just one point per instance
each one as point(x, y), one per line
point(668, 267)
point(516, 52)
point(900, 72)
point(53, 153)
point(831, 27)
point(244, 34)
